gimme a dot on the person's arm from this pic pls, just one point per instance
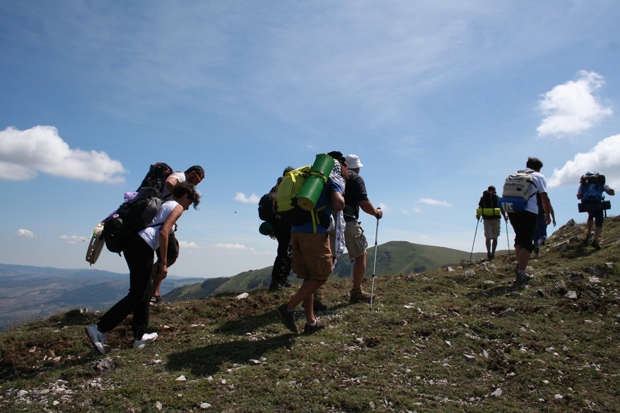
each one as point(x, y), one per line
point(162, 271)
point(170, 183)
point(336, 200)
point(610, 191)
point(547, 207)
point(369, 208)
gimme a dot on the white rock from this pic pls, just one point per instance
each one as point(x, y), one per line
point(181, 378)
point(159, 406)
point(22, 393)
point(497, 392)
point(469, 357)
point(242, 296)
point(558, 397)
point(469, 273)
point(205, 405)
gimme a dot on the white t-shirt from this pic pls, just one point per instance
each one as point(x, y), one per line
point(180, 176)
point(540, 186)
point(150, 234)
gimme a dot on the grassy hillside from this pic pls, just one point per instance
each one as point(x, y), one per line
point(395, 257)
point(461, 339)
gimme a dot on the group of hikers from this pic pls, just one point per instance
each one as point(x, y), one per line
point(311, 243)
point(536, 213)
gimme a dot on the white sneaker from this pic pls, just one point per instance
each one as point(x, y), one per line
point(97, 337)
point(146, 339)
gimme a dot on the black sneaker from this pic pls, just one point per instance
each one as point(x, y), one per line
point(319, 306)
point(522, 279)
point(287, 317)
point(274, 286)
point(320, 325)
point(595, 244)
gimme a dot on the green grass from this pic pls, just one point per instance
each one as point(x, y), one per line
point(436, 341)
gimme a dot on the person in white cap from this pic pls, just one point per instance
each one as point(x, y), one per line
point(355, 198)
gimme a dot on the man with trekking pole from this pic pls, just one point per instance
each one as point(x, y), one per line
point(356, 197)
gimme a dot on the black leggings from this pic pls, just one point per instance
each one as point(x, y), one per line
point(139, 256)
point(525, 225)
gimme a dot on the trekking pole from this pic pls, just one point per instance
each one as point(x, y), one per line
point(374, 265)
point(472, 244)
point(507, 239)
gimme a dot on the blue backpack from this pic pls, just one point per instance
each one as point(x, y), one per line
point(592, 190)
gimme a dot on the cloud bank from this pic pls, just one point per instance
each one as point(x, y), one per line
point(571, 108)
point(252, 199)
point(25, 233)
point(40, 149)
point(430, 201)
point(603, 158)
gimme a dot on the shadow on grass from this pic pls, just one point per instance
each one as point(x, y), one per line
point(209, 360)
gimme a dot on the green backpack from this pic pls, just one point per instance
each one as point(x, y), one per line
point(286, 205)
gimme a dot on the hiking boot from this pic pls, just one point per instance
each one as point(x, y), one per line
point(146, 339)
point(274, 286)
point(286, 283)
point(319, 306)
point(522, 278)
point(287, 317)
point(489, 256)
point(311, 329)
point(156, 299)
point(358, 296)
point(595, 244)
point(96, 337)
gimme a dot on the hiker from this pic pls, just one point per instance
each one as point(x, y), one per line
point(281, 233)
point(593, 206)
point(356, 197)
point(525, 222)
point(490, 213)
point(541, 231)
point(139, 254)
point(312, 254)
point(194, 175)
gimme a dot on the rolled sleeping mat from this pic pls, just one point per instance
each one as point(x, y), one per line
point(315, 182)
point(488, 212)
point(265, 228)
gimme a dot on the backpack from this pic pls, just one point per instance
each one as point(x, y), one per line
point(131, 217)
point(592, 190)
point(265, 207)
point(286, 205)
point(487, 206)
point(516, 191)
point(156, 176)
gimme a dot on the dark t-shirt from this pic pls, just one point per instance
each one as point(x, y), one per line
point(354, 193)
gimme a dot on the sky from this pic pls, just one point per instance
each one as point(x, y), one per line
point(438, 99)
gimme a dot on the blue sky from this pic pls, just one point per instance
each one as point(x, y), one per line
point(438, 99)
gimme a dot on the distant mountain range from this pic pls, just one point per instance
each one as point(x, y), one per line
point(395, 257)
point(28, 293)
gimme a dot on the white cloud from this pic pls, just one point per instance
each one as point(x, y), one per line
point(430, 201)
point(571, 108)
point(40, 149)
point(72, 239)
point(234, 247)
point(190, 245)
point(25, 233)
point(603, 158)
point(253, 199)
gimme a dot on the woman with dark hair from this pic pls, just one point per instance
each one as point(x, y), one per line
point(139, 255)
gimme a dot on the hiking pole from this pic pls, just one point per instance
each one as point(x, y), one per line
point(507, 239)
point(472, 244)
point(374, 265)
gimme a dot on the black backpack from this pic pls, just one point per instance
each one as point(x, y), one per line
point(265, 207)
point(131, 217)
point(156, 176)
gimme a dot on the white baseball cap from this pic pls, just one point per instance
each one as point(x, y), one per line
point(353, 161)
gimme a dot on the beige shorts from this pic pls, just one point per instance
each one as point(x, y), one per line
point(354, 239)
point(491, 228)
point(312, 256)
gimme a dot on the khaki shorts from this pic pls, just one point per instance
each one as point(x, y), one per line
point(355, 239)
point(491, 228)
point(312, 256)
